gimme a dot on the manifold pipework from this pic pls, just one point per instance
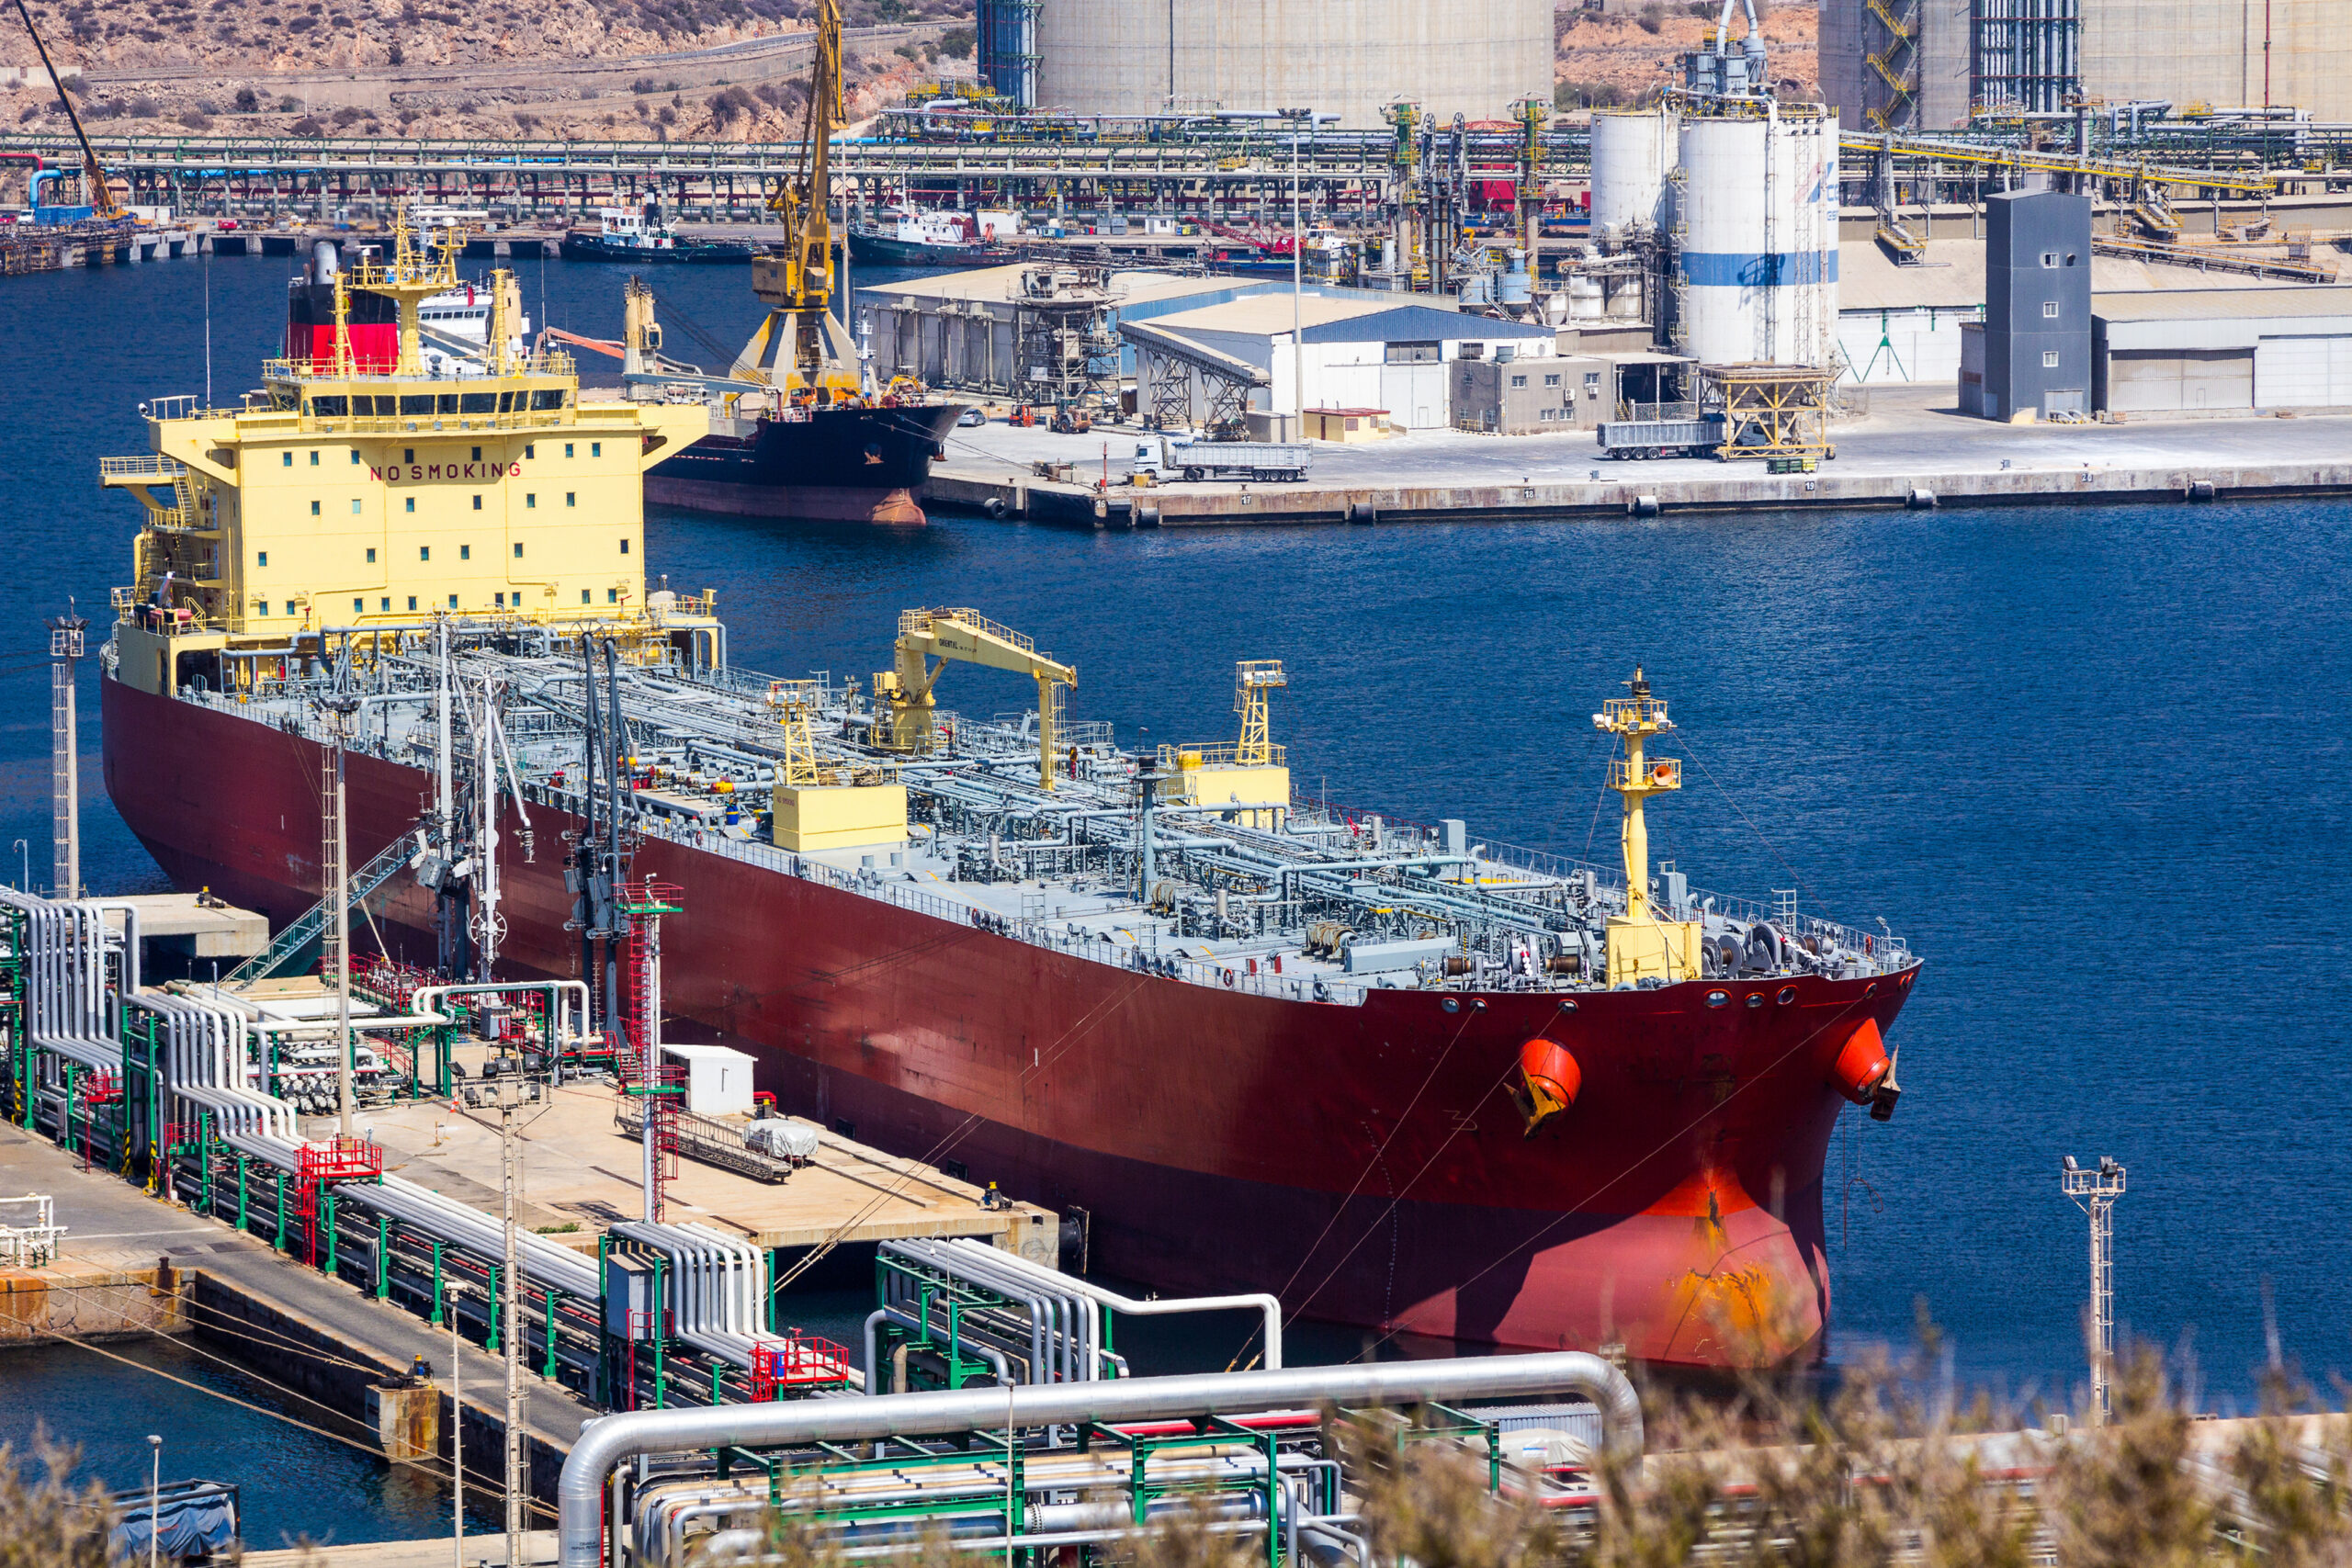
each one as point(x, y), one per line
point(606, 1443)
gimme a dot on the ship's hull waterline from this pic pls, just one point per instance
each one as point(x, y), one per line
point(1365, 1160)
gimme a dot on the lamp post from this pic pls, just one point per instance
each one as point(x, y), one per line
point(154, 1498)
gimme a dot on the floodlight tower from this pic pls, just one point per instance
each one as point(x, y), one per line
point(2095, 1192)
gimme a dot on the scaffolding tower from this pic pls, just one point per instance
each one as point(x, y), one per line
point(1065, 351)
point(2095, 1192)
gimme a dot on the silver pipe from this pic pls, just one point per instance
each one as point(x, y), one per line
point(606, 1442)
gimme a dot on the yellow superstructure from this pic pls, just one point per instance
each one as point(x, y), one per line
point(346, 496)
point(1641, 945)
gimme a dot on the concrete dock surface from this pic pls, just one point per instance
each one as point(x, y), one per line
point(1913, 438)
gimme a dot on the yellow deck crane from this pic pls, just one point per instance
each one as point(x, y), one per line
point(95, 189)
point(800, 347)
point(903, 697)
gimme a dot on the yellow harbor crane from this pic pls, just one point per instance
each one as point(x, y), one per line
point(903, 697)
point(801, 346)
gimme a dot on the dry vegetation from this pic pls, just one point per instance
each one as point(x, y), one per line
point(1872, 1476)
point(1625, 57)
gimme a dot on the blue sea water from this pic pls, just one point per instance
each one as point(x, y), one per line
point(2089, 762)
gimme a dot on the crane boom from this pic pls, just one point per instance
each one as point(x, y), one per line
point(94, 174)
point(969, 637)
point(801, 347)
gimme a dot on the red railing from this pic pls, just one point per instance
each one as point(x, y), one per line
point(797, 1361)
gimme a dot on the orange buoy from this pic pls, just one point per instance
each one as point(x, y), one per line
point(1549, 1080)
point(1862, 1062)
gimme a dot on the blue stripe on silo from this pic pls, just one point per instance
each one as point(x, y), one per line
point(1730, 269)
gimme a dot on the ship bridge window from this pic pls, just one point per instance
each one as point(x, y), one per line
point(331, 408)
point(478, 402)
point(408, 453)
point(547, 398)
point(477, 457)
point(416, 402)
point(448, 403)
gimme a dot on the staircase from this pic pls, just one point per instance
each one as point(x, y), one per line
point(291, 948)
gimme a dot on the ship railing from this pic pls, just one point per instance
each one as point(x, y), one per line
point(1230, 975)
point(145, 466)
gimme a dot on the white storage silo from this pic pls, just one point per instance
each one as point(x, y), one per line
point(1756, 261)
point(1632, 154)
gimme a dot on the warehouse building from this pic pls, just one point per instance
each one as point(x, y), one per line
point(2224, 350)
point(961, 331)
point(1353, 350)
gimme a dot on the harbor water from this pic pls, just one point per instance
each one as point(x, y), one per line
point(2089, 762)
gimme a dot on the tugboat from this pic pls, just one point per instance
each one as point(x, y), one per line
point(928, 238)
point(625, 236)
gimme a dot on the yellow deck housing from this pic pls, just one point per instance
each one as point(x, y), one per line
point(840, 816)
point(1647, 949)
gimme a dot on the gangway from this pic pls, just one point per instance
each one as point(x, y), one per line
point(302, 936)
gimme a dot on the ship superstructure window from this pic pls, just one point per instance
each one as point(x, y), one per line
point(286, 460)
point(314, 509)
point(359, 606)
point(530, 503)
point(387, 604)
point(411, 601)
point(335, 407)
point(425, 552)
point(572, 498)
point(411, 502)
point(477, 458)
point(355, 454)
point(448, 403)
point(596, 448)
point(261, 606)
point(453, 600)
point(530, 451)
point(408, 453)
point(415, 403)
point(624, 547)
point(355, 506)
point(477, 503)
point(547, 398)
point(466, 552)
point(500, 600)
point(583, 596)
point(371, 558)
point(314, 459)
point(478, 402)
point(262, 559)
point(611, 595)
point(518, 549)
point(566, 448)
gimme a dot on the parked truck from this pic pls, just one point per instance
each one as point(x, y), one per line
point(1173, 456)
point(1700, 437)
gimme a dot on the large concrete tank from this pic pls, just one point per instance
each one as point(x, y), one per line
point(1632, 154)
point(1757, 261)
point(1351, 57)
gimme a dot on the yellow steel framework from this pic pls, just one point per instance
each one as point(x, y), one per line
point(2226, 182)
point(1252, 680)
point(1769, 410)
point(1642, 945)
point(903, 694)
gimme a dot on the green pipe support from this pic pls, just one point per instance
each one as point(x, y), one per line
point(660, 1336)
point(281, 1210)
point(383, 1256)
point(549, 1370)
point(438, 1289)
point(245, 1207)
point(490, 1342)
point(326, 1212)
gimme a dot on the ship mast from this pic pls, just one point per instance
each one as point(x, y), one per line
point(1641, 945)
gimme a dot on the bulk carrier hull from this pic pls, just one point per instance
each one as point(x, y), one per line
point(838, 465)
point(1366, 1160)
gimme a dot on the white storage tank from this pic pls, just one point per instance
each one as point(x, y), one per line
point(1756, 259)
point(1634, 151)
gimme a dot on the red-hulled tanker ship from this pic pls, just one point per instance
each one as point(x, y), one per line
point(1407, 1082)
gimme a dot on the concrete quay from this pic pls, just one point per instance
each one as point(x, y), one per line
point(1912, 448)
